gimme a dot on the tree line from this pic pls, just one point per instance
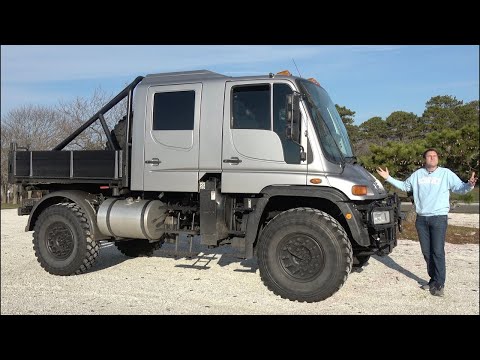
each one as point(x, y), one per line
point(397, 142)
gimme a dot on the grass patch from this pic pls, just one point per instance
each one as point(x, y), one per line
point(471, 196)
point(9, 206)
point(455, 234)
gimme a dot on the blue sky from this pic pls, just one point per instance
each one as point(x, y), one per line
point(372, 80)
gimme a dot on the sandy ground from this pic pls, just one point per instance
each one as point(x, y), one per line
point(469, 220)
point(215, 282)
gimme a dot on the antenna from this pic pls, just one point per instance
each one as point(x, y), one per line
point(296, 67)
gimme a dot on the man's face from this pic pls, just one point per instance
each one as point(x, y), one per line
point(431, 159)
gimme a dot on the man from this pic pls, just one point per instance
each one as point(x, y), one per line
point(431, 186)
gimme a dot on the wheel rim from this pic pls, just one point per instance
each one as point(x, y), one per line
point(300, 256)
point(59, 240)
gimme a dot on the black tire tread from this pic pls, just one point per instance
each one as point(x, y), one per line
point(92, 245)
point(342, 237)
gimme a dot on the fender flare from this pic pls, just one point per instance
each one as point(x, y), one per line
point(81, 198)
point(356, 227)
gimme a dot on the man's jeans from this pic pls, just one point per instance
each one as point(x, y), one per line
point(431, 233)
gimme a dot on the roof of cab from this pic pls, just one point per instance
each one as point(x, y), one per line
point(198, 75)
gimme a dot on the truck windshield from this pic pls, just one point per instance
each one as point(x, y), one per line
point(327, 122)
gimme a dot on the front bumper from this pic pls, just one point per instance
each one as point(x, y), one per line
point(382, 237)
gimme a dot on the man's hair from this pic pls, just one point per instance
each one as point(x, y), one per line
point(429, 149)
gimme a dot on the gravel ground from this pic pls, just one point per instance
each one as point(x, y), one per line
point(215, 282)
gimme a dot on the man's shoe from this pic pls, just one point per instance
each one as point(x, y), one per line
point(425, 287)
point(437, 291)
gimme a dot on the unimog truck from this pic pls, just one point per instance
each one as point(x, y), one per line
point(261, 163)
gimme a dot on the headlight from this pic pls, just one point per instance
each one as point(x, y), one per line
point(381, 217)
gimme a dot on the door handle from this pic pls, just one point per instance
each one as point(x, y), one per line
point(154, 162)
point(233, 160)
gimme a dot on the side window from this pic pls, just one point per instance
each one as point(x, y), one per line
point(174, 110)
point(291, 151)
point(251, 107)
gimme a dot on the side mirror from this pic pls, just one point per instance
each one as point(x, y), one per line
point(293, 117)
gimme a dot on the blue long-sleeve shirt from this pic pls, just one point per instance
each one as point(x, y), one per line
point(431, 192)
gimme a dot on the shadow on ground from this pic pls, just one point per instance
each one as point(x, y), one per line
point(389, 262)
point(202, 256)
point(108, 256)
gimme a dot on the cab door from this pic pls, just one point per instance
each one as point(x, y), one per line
point(172, 138)
point(256, 152)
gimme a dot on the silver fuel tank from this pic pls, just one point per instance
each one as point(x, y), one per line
point(132, 218)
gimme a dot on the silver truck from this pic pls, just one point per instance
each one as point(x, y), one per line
point(261, 163)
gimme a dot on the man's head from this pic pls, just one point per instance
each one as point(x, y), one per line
point(431, 158)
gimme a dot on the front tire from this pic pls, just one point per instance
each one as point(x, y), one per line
point(62, 240)
point(304, 254)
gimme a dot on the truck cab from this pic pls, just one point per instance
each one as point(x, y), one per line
point(189, 124)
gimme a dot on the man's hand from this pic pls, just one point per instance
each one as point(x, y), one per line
point(383, 173)
point(472, 179)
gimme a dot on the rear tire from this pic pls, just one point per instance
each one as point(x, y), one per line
point(62, 241)
point(138, 247)
point(304, 254)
